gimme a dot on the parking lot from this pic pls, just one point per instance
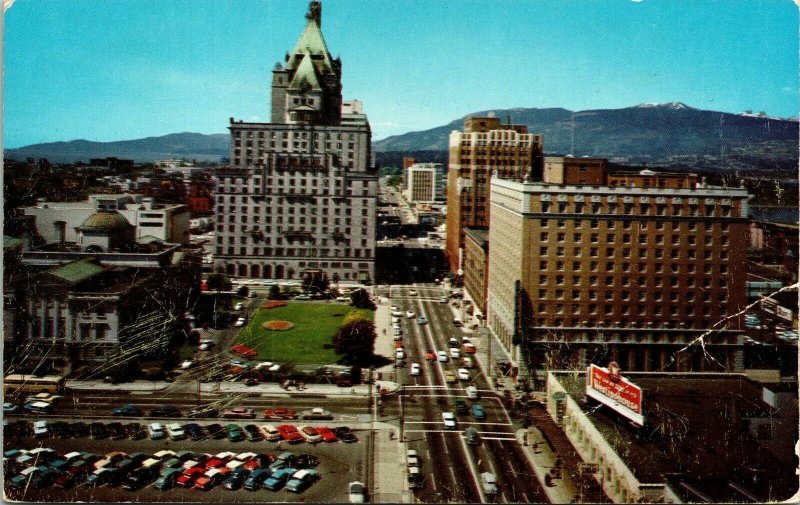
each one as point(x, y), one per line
point(338, 464)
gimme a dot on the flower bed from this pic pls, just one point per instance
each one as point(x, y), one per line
point(273, 304)
point(278, 325)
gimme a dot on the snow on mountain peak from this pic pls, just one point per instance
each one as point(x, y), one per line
point(668, 105)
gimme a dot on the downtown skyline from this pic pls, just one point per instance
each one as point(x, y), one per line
point(122, 70)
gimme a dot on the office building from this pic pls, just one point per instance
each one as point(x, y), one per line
point(301, 192)
point(424, 183)
point(485, 148)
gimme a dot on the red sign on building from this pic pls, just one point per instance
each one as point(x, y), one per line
point(615, 391)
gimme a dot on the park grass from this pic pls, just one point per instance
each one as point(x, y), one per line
point(315, 324)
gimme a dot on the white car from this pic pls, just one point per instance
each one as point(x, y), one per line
point(410, 314)
point(415, 369)
point(449, 420)
point(397, 313)
point(489, 482)
point(240, 322)
point(175, 431)
point(397, 332)
point(466, 361)
point(399, 354)
point(239, 306)
point(443, 299)
point(187, 364)
point(413, 292)
point(455, 353)
point(463, 374)
point(356, 492)
point(411, 458)
point(441, 356)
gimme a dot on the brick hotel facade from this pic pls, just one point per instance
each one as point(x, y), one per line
point(300, 193)
point(632, 270)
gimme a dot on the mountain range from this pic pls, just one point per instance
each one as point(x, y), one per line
point(666, 133)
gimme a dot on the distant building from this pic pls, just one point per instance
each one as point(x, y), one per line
point(476, 265)
point(64, 221)
point(570, 170)
point(713, 438)
point(425, 183)
point(484, 148)
point(301, 193)
point(637, 273)
point(112, 163)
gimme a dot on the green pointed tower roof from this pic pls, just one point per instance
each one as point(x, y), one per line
point(305, 75)
point(311, 41)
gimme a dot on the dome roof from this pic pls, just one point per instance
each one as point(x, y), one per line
point(105, 221)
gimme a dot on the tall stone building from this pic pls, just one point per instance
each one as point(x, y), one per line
point(301, 193)
point(484, 148)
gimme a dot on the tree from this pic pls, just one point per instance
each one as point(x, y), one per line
point(394, 180)
point(360, 299)
point(218, 282)
point(315, 280)
point(356, 338)
point(275, 292)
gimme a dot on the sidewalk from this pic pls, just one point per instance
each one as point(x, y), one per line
point(358, 391)
point(388, 472)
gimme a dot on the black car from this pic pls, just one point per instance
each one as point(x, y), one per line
point(127, 410)
point(165, 411)
point(79, 430)
point(202, 411)
point(195, 431)
point(253, 433)
point(348, 438)
point(60, 429)
point(98, 431)
point(305, 461)
point(135, 431)
point(116, 431)
point(341, 430)
point(216, 431)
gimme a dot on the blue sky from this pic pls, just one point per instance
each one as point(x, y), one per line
point(112, 70)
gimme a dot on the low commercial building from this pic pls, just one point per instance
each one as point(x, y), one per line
point(715, 438)
point(62, 221)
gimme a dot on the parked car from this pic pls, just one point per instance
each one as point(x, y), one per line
point(176, 431)
point(270, 432)
point(235, 480)
point(239, 413)
point(470, 349)
point(240, 322)
point(10, 408)
point(449, 376)
point(478, 412)
point(457, 322)
point(256, 479)
point(279, 413)
point(290, 434)
point(471, 436)
point(235, 433)
point(202, 411)
point(279, 478)
point(410, 314)
point(156, 431)
point(422, 320)
point(415, 369)
point(165, 411)
point(430, 355)
point(116, 431)
point(399, 354)
point(215, 431)
point(253, 433)
point(239, 306)
point(301, 481)
point(453, 343)
point(98, 431)
point(189, 476)
point(326, 434)
point(472, 392)
point(463, 374)
point(167, 479)
point(441, 356)
point(310, 434)
point(133, 430)
point(412, 292)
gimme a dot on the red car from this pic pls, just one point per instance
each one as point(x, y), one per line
point(211, 478)
point(327, 434)
point(280, 413)
point(470, 349)
point(188, 477)
point(213, 463)
point(429, 355)
point(290, 434)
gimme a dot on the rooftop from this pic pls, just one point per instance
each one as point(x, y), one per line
point(77, 271)
point(698, 431)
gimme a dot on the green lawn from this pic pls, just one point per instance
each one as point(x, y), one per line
point(315, 324)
